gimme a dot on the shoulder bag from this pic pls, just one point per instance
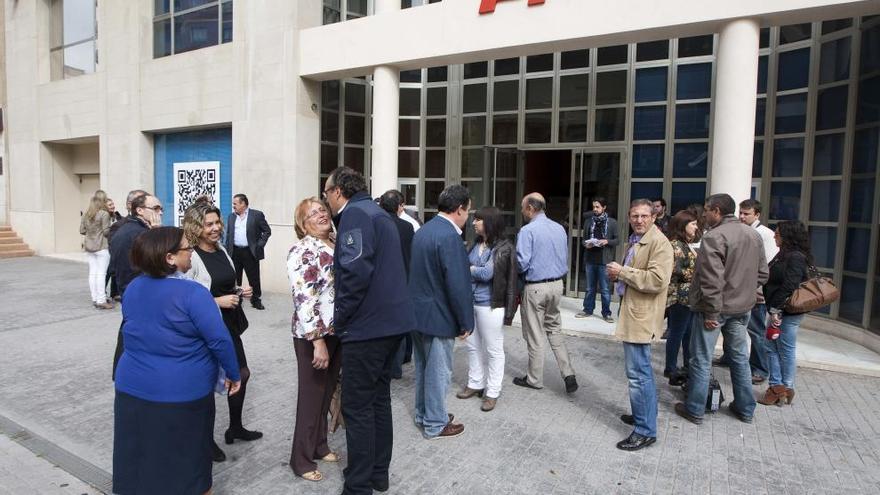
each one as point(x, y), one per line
point(816, 292)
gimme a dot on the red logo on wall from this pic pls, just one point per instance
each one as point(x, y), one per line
point(488, 6)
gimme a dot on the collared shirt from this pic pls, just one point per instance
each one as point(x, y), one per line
point(767, 237)
point(412, 221)
point(542, 249)
point(630, 254)
point(240, 233)
point(310, 273)
point(457, 228)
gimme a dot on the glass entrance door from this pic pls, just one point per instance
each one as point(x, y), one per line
point(504, 179)
point(594, 173)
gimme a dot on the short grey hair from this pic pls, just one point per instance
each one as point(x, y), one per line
point(641, 202)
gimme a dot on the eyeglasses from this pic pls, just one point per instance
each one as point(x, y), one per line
point(327, 191)
point(314, 213)
point(188, 248)
point(157, 208)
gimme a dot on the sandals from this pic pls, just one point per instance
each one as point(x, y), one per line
point(313, 476)
point(331, 457)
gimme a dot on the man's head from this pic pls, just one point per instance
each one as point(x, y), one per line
point(749, 211)
point(600, 205)
point(658, 207)
point(148, 208)
point(532, 205)
point(454, 202)
point(240, 203)
point(341, 185)
point(131, 195)
point(641, 215)
point(717, 207)
point(392, 202)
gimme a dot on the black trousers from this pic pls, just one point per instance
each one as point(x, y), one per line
point(366, 408)
point(244, 260)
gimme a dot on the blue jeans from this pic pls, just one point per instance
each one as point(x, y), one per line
point(757, 334)
point(679, 326)
point(781, 352)
point(642, 391)
point(703, 341)
point(433, 363)
point(596, 275)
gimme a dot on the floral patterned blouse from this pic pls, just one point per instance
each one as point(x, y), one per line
point(684, 261)
point(310, 272)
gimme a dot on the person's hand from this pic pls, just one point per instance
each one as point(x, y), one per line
point(710, 324)
point(247, 291)
point(228, 302)
point(613, 270)
point(320, 357)
point(233, 387)
point(775, 319)
point(465, 334)
point(603, 242)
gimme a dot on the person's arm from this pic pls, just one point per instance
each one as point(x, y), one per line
point(506, 264)
point(613, 238)
point(456, 276)
point(710, 264)
point(210, 327)
point(82, 225)
point(306, 279)
point(483, 273)
point(355, 253)
point(794, 269)
point(264, 230)
point(524, 250)
point(654, 279)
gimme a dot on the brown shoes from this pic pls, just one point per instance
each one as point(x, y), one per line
point(449, 431)
point(468, 392)
point(488, 404)
point(104, 305)
point(775, 395)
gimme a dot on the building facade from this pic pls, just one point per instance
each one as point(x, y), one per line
point(226, 96)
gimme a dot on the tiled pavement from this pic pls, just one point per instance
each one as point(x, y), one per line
point(56, 367)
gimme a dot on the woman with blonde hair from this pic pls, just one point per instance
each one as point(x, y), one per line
point(318, 353)
point(94, 225)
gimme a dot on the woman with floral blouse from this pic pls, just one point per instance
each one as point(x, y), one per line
point(318, 353)
point(683, 230)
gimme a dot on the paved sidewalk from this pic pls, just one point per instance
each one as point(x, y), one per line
point(58, 352)
point(22, 472)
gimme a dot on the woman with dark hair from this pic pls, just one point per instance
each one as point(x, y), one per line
point(174, 342)
point(494, 281)
point(212, 268)
point(682, 231)
point(788, 269)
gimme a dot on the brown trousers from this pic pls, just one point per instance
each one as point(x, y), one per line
point(316, 389)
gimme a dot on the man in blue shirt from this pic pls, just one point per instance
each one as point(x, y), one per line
point(542, 254)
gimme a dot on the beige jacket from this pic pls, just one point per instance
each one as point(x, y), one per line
point(647, 281)
point(95, 231)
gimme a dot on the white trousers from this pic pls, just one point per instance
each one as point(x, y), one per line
point(486, 351)
point(98, 263)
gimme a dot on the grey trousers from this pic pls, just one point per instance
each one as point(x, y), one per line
point(540, 316)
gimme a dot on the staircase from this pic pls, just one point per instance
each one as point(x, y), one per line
point(11, 246)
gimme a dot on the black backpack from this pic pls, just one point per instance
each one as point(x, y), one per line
point(714, 398)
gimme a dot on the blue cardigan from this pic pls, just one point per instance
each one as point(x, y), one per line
point(174, 337)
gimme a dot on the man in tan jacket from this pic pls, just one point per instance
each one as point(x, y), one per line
point(642, 281)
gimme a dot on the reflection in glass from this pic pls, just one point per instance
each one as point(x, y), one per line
point(647, 161)
point(574, 90)
point(686, 193)
point(865, 150)
point(695, 46)
point(506, 96)
point(504, 129)
point(828, 154)
point(692, 121)
point(474, 98)
point(794, 69)
point(788, 157)
point(610, 124)
point(690, 159)
point(505, 196)
point(831, 109)
point(694, 81)
point(785, 200)
point(791, 113)
point(354, 158)
point(823, 245)
point(162, 38)
point(825, 201)
point(432, 193)
point(852, 299)
point(196, 29)
point(835, 25)
point(647, 190)
point(649, 123)
point(855, 258)
point(861, 200)
point(870, 54)
point(611, 87)
point(473, 130)
point(472, 162)
point(573, 126)
point(226, 28)
point(834, 62)
point(330, 95)
point(795, 32)
point(539, 93)
point(651, 84)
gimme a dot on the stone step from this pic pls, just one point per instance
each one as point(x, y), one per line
point(6, 234)
point(10, 240)
point(19, 246)
point(5, 228)
point(16, 254)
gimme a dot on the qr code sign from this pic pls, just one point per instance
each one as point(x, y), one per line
point(193, 180)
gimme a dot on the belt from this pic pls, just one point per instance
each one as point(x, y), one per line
point(546, 280)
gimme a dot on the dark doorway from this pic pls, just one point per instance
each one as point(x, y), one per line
point(549, 173)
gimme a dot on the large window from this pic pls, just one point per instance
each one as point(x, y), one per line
point(184, 25)
point(73, 32)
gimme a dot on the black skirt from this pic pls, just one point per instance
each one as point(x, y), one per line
point(162, 447)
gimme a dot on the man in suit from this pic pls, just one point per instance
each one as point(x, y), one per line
point(599, 241)
point(248, 233)
point(372, 311)
point(440, 285)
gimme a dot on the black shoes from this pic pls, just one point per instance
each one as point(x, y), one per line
point(256, 303)
point(242, 434)
point(217, 453)
point(635, 442)
point(380, 486)
point(740, 416)
point(628, 419)
point(682, 411)
point(523, 381)
point(571, 384)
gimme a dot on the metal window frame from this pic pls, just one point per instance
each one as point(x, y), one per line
point(172, 14)
point(63, 46)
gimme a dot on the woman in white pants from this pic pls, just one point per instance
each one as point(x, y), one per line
point(93, 226)
point(494, 275)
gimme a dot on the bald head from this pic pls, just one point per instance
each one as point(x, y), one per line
point(532, 204)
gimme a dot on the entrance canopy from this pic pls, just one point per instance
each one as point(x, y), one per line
point(453, 31)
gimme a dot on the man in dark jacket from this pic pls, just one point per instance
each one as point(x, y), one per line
point(440, 285)
point(248, 233)
point(372, 311)
point(600, 242)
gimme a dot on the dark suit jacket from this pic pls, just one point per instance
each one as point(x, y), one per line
point(120, 249)
point(405, 231)
point(608, 252)
point(440, 281)
point(258, 232)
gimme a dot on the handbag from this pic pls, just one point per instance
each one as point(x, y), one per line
point(816, 292)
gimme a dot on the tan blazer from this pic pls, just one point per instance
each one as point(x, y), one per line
point(647, 280)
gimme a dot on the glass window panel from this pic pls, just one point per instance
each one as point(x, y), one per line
point(539, 93)
point(79, 20)
point(695, 46)
point(408, 133)
point(195, 30)
point(161, 7)
point(648, 190)
point(764, 38)
point(356, 8)
point(505, 196)
point(823, 245)
point(539, 63)
point(414, 75)
point(162, 38)
point(330, 95)
point(476, 69)
point(869, 101)
point(472, 162)
point(355, 98)
point(852, 299)
point(874, 323)
point(694, 81)
point(507, 66)
point(329, 158)
point(647, 161)
point(831, 109)
point(504, 129)
point(79, 59)
point(332, 11)
point(651, 84)
point(865, 150)
point(835, 25)
point(410, 101)
point(762, 74)
point(861, 200)
point(828, 154)
point(649, 123)
point(758, 160)
point(788, 157)
point(825, 201)
point(408, 163)
point(473, 130)
point(537, 127)
point(760, 116)
point(690, 160)
point(226, 28)
point(329, 126)
point(180, 5)
point(794, 69)
point(791, 113)
point(506, 96)
point(687, 193)
point(858, 242)
point(795, 32)
point(573, 126)
point(692, 120)
point(435, 132)
point(610, 124)
point(574, 90)
point(437, 74)
point(436, 103)
point(652, 50)
point(870, 55)
point(611, 87)
point(610, 55)
point(785, 200)
point(435, 164)
point(474, 98)
point(354, 129)
point(834, 62)
point(354, 158)
point(506, 163)
point(575, 59)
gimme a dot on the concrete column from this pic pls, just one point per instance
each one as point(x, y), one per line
point(734, 113)
point(386, 112)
